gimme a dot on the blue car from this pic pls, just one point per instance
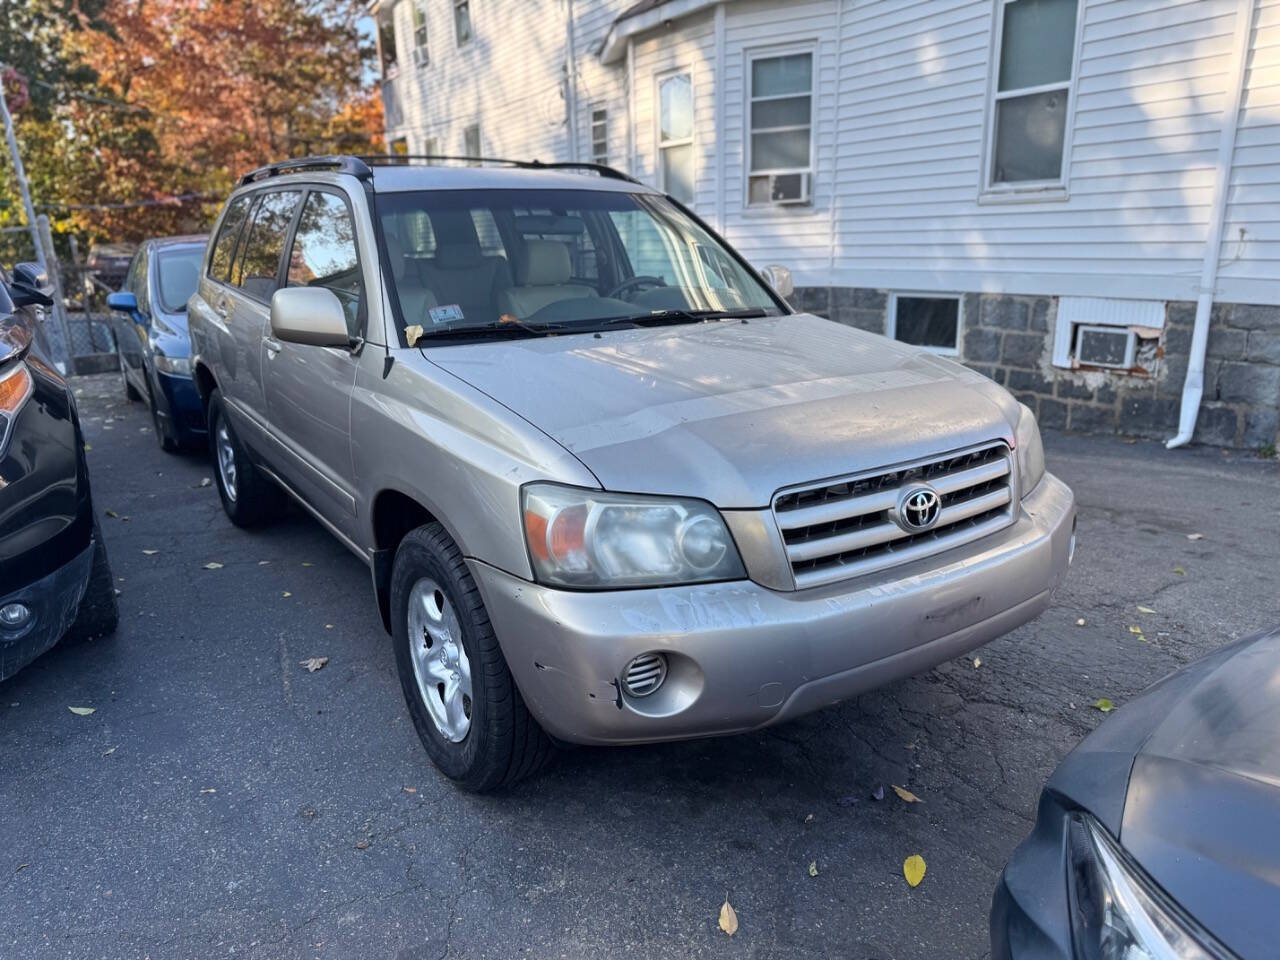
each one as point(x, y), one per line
point(150, 323)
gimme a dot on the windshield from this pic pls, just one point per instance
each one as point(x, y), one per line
point(483, 259)
point(177, 273)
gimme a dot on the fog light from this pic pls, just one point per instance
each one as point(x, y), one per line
point(644, 674)
point(14, 615)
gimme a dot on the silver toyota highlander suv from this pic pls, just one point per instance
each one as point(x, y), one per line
point(610, 487)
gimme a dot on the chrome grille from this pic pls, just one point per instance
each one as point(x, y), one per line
point(644, 674)
point(841, 529)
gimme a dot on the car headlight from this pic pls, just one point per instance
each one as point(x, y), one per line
point(1030, 450)
point(596, 540)
point(1119, 914)
point(177, 366)
point(15, 389)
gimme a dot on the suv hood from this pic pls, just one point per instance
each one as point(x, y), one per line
point(731, 411)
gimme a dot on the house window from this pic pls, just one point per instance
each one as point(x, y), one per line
point(926, 320)
point(471, 142)
point(1036, 40)
point(675, 136)
point(387, 47)
point(600, 135)
point(780, 148)
point(420, 55)
point(462, 21)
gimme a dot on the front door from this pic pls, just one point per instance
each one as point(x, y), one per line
point(309, 388)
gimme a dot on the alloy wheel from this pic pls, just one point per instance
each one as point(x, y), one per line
point(440, 662)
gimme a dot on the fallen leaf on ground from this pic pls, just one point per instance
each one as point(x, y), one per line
point(1195, 536)
point(21, 867)
point(82, 711)
point(209, 790)
point(213, 565)
point(906, 794)
point(1103, 704)
point(1142, 609)
point(1179, 571)
point(362, 844)
point(205, 481)
point(314, 663)
point(286, 594)
point(413, 333)
point(149, 553)
point(813, 868)
point(878, 793)
point(728, 918)
point(977, 662)
point(87, 447)
point(1080, 621)
point(913, 869)
point(306, 564)
point(110, 750)
point(410, 789)
point(1137, 630)
point(263, 563)
point(328, 626)
point(110, 513)
point(809, 819)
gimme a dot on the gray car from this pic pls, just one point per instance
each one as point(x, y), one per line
point(611, 489)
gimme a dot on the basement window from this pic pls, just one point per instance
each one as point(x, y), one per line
point(928, 320)
point(1108, 334)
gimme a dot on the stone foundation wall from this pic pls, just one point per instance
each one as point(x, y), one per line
point(1010, 339)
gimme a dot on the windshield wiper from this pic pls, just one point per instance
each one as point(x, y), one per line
point(659, 317)
point(512, 329)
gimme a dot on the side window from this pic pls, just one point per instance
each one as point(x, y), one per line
point(135, 271)
point(324, 254)
point(224, 247)
point(259, 265)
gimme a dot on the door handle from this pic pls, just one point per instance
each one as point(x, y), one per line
point(222, 308)
point(272, 344)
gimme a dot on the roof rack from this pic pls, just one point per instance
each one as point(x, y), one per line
point(352, 165)
point(403, 159)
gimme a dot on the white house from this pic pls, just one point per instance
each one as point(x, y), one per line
point(1080, 198)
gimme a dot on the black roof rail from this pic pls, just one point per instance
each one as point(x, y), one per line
point(337, 164)
point(405, 159)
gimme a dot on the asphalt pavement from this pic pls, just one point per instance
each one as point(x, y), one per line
point(223, 801)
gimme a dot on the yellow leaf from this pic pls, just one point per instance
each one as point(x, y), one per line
point(1137, 630)
point(305, 564)
point(413, 333)
point(213, 565)
point(977, 662)
point(286, 594)
point(82, 711)
point(1179, 571)
point(111, 513)
point(728, 918)
point(1142, 609)
point(906, 794)
point(1103, 704)
point(813, 868)
point(913, 869)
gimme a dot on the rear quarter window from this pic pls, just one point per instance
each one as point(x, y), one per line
point(224, 246)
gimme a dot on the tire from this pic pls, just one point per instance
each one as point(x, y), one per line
point(98, 613)
point(167, 443)
point(130, 393)
point(249, 498)
point(502, 742)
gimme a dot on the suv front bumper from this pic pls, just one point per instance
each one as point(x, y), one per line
point(741, 656)
point(53, 601)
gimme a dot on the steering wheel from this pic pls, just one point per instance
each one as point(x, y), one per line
point(632, 282)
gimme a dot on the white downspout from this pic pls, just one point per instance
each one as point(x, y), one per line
point(571, 87)
point(1193, 387)
point(632, 164)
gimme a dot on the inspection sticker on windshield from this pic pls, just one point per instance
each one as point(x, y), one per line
point(445, 314)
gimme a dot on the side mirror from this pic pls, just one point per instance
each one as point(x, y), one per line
point(30, 286)
point(779, 277)
point(122, 300)
point(310, 315)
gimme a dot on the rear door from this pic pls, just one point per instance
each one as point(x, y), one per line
point(256, 274)
point(308, 388)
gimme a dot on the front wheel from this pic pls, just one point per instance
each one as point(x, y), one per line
point(463, 701)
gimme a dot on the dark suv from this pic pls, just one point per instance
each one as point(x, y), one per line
point(55, 581)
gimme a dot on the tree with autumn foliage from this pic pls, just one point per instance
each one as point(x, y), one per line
point(166, 102)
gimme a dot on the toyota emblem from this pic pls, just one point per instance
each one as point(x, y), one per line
point(918, 509)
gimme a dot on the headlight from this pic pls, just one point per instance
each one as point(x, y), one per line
point(178, 366)
point(1117, 913)
point(596, 540)
point(15, 388)
point(1030, 450)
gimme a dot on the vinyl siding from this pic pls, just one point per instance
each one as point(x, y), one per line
point(900, 113)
